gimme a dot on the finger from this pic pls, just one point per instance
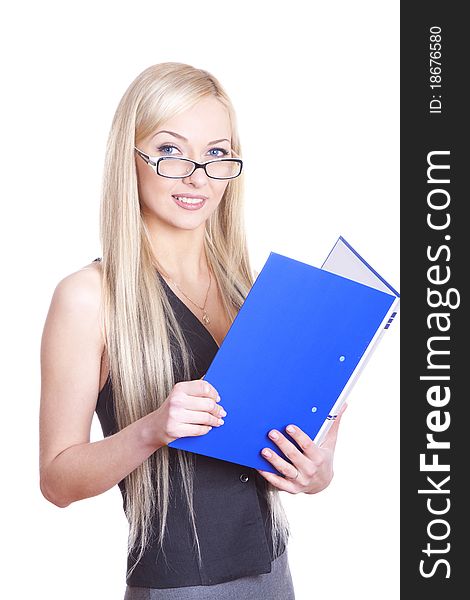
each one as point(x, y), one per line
point(199, 387)
point(201, 418)
point(332, 435)
point(279, 482)
point(197, 403)
point(302, 439)
point(298, 460)
point(202, 404)
point(193, 430)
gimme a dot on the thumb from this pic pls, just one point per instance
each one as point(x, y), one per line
point(332, 435)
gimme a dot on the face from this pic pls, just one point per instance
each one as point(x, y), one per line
point(201, 133)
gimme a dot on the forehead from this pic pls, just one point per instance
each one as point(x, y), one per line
point(206, 120)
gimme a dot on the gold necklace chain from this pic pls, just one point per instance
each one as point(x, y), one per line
point(205, 316)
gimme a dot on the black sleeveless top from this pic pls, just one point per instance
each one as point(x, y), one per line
point(231, 510)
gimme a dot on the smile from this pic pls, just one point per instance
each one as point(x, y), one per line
point(189, 203)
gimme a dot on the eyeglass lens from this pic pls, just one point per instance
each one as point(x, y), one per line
point(181, 168)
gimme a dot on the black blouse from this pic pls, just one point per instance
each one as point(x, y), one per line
point(231, 510)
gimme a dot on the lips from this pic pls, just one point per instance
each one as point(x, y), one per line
point(194, 202)
point(191, 196)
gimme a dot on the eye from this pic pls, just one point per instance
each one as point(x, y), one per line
point(163, 148)
point(222, 150)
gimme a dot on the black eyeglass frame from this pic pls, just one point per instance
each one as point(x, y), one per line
point(154, 161)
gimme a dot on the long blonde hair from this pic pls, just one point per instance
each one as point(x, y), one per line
point(137, 318)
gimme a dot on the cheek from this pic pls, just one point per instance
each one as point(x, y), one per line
point(220, 189)
point(153, 188)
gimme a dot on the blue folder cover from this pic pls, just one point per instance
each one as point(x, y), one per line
point(294, 345)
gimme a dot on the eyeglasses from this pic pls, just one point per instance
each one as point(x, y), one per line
point(177, 168)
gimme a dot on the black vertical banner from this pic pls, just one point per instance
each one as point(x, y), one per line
point(435, 266)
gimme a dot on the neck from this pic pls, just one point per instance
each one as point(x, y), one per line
point(180, 253)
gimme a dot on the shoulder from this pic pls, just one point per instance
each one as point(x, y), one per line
point(76, 300)
point(82, 287)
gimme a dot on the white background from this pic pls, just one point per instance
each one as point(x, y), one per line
point(312, 80)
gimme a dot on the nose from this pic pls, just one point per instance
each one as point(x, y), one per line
point(198, 177)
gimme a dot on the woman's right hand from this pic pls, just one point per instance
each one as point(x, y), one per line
point(192, 408)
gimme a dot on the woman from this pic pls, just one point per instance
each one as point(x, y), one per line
point(131, 335)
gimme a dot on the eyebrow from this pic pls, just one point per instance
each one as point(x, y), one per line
point(185, 140)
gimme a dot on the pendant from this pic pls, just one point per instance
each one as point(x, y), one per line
point(205, 318)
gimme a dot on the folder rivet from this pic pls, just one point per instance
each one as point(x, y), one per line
point(314, 409)
point(342, 358)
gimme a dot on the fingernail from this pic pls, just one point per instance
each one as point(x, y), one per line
point(273, 435)
point(223, 413)
point(221, 421)
point(266, 453)
point(290, 429)
point(218, 398)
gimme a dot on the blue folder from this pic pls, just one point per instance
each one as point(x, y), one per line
point(292, 353)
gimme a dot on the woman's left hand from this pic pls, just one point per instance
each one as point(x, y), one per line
point(311, 470)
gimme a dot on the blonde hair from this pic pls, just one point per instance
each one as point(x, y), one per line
point(138, 320)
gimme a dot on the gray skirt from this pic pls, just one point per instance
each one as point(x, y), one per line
point(276, 585)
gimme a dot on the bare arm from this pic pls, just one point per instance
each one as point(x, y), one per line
point(90, 469)
point(71, 467)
